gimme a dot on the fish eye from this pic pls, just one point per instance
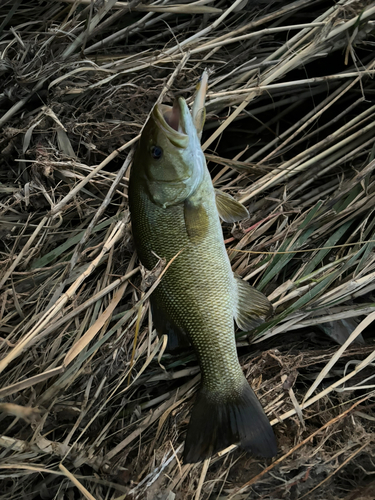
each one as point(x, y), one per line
point(156, 152)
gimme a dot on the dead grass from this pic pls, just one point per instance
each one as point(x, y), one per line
point(290, 132)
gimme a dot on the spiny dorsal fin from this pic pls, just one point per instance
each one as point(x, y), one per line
point(196, 220)
point(252, 307)
point(229, 209)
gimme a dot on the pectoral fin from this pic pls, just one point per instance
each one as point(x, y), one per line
point(196, 220)
point(164, 325)
point(229, 209)
point(252, 308)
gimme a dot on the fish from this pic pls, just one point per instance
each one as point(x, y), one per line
point(175, 211)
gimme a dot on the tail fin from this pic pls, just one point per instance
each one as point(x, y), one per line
point(216, 423)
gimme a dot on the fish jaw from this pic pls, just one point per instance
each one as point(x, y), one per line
point(178, 122)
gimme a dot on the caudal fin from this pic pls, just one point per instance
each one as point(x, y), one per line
point(216, 423)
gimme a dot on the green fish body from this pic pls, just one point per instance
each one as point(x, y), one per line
point(174, 208)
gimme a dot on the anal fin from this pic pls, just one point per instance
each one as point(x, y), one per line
point(165, 325)
point(252, 306)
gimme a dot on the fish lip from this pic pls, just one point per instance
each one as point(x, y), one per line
point(178, 137)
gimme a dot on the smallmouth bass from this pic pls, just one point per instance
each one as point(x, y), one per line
point(175, 208)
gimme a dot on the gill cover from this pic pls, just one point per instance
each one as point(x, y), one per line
point(178, 169)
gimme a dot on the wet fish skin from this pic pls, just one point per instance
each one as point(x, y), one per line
point(173, 208)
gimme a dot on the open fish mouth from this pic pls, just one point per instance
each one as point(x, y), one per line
point(172, 116)
point(170, 119)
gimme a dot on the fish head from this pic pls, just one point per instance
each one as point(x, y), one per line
point(170, 155)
